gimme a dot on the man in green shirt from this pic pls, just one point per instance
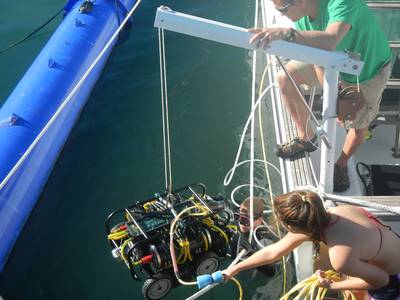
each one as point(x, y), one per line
point(331, 25)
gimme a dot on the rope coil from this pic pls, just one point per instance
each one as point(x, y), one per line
point(310, 288)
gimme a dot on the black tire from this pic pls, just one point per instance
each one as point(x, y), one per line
point(206, 264)
point(157, 287)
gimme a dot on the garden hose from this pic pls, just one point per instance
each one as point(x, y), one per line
point(309, 288)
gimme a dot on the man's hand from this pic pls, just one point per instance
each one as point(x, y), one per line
point(264, 36)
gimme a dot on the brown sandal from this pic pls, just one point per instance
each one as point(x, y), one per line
point(341, 180)
point(296, 147)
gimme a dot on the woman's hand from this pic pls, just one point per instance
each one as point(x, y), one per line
point(230, 272)
point(263, 36)
point(323, 282)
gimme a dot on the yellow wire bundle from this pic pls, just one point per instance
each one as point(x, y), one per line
point(309, 288)
point(117, 235)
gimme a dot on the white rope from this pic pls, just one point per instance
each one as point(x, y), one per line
point(228, 179)
point(313, 90)
point(314, 175)
point(67, 99)
point(253, 99)
point(167, 120)
point(364, 203)
point(160, 51)
point(247, 161)
point(165, 114)
point(309, 160)
point(299, 92)
point(265, 225)
point(236, 189)
point(350, 200)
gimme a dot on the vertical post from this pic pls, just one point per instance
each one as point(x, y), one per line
point(396, 148)
point(329, 114)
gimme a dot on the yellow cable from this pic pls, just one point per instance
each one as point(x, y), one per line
point(239, 287)
point(205, 240)
point(189, 254)
point(233, 227)
point(117, 236)
point(111, 236)
point(216, 228)
point(186, 245)
point(306, 289)
point(147, 204)
point(184, 256)
point(267, 171)
point(123, 248)
point(203, 211)
point(119, 232)
point(208, 221)
point(180, 256)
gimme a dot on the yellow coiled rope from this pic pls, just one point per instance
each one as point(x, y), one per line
point(309, 288)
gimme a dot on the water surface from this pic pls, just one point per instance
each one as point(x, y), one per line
point(114, 154)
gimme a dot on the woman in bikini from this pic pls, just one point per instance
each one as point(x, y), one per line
point(359, 245)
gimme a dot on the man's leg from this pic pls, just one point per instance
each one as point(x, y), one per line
point(306, 140)
point(293, 102)
point(354, 138)
point(372, 91)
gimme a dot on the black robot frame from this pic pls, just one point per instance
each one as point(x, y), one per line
point(139, 236)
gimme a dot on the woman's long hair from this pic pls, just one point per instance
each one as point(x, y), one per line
point(303, 211)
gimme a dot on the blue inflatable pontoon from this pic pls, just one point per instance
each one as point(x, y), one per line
point(85, 30)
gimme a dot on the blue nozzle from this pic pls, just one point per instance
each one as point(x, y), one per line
point(217, 277)
point(207, 279)
point(204, 280)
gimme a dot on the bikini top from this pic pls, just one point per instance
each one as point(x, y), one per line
point(378, 224)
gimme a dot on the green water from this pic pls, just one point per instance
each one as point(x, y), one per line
point(114, 154)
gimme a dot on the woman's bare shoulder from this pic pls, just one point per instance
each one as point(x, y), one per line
point(343, 209)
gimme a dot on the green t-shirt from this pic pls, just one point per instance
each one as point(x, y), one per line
point(365, 36)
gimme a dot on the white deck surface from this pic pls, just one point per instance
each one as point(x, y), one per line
point(378, 150)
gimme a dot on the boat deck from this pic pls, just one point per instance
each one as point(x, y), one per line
point(300, 168)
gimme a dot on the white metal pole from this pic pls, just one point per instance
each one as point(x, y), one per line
point(329, 115)
point(239, 37)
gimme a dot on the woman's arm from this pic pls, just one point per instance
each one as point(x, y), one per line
point(268, 254)
point(354, 283)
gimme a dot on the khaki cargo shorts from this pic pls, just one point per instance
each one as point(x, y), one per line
point(372, 90)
